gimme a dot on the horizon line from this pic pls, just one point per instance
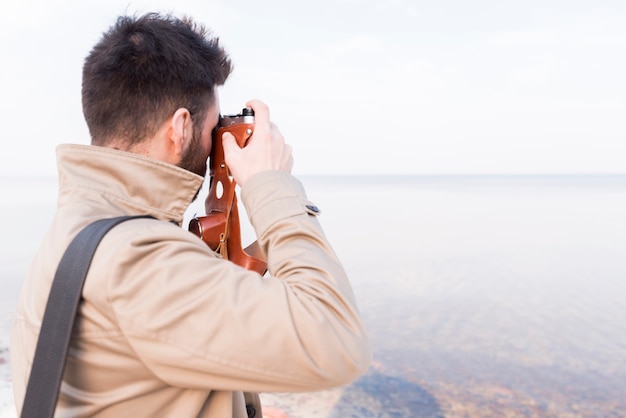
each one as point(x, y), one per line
point(9, 176)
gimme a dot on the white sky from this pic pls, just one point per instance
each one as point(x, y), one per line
point(360, 86)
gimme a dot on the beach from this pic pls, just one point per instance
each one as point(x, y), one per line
point(483, 295)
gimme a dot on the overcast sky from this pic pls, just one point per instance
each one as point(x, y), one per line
point(360, 86)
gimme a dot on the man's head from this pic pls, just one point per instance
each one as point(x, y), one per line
point(142, 73)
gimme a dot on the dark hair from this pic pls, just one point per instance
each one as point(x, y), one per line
point(143, 69)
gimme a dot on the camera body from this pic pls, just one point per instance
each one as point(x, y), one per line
point(240, 125)
point(220, 228)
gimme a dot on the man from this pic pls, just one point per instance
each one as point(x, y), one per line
point(166, 328)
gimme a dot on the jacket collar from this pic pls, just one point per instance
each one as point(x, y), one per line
point(132, 182)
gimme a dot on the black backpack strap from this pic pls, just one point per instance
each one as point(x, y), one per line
point(48, 366)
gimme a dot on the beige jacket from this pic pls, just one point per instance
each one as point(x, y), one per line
point(167, 329)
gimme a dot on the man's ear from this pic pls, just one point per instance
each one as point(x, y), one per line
point(181, 132)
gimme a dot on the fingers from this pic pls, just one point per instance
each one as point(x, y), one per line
point(229, 143)
point(280, 151)
point(262, 123)
point(287, 163)
point(261, 110)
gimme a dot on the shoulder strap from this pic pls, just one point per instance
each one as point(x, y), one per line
point(46, 373)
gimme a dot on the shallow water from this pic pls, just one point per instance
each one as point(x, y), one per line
point(483, 296)
point(495, 296)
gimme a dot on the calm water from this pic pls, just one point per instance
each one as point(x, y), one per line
point(483, 296)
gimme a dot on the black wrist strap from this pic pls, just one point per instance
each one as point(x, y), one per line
point(46, 373)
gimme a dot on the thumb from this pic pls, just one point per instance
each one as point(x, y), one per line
point(232, 155)
point(229, 143)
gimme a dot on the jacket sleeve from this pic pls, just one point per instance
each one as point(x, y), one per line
point(198, 321)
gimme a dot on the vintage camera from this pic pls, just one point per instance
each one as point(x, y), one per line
point(220, 228)
point(240, 125)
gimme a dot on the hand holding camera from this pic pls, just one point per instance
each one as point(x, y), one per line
point(264, 150)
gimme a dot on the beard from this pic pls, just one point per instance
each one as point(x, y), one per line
point(194, 158)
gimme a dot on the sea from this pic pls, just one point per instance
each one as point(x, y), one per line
point(483, 296)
